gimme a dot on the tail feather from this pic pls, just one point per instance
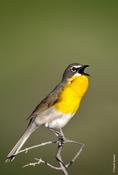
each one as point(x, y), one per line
point(30, 129)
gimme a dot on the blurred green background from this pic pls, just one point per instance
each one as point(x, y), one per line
point(38, 39)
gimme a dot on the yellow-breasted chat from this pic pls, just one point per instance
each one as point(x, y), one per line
point(56, 109)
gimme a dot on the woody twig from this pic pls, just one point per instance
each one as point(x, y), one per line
point(61, 141)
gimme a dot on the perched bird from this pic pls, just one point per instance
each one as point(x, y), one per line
point(57, 108)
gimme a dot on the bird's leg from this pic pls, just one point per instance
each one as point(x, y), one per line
point(57, 133)
point(62, 135)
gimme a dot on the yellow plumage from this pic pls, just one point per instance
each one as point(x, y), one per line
point(70, 98)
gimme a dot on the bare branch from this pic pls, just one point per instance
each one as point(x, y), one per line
point(39, 161)
point(77, 154)
point(36, 146)
point(58, 155)
point(61, 140)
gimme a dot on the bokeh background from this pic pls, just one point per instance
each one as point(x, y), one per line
point(38, 39)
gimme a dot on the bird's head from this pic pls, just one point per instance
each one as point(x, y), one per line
point(75, 70)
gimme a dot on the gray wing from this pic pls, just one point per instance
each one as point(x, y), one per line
point(47, 102)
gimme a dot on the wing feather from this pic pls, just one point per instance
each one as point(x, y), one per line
point(47, 102)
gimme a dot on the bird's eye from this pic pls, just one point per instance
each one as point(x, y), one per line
point(73, 69)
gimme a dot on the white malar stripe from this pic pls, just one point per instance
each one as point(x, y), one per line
point(77, 74)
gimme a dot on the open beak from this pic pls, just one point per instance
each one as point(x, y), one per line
point(82, 69)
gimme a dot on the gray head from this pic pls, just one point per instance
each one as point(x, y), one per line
point(75, 69)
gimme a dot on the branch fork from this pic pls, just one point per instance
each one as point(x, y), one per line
point(61, 141)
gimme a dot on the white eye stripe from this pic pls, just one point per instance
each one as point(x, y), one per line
point(77, 66)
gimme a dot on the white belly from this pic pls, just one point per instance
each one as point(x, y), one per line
point(52, 118)
point(59, 122)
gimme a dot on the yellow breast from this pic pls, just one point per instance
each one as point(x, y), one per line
point(70, 98)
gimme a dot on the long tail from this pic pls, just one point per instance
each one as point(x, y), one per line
point(30, 129)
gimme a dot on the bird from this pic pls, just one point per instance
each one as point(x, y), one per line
point(59, 106)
